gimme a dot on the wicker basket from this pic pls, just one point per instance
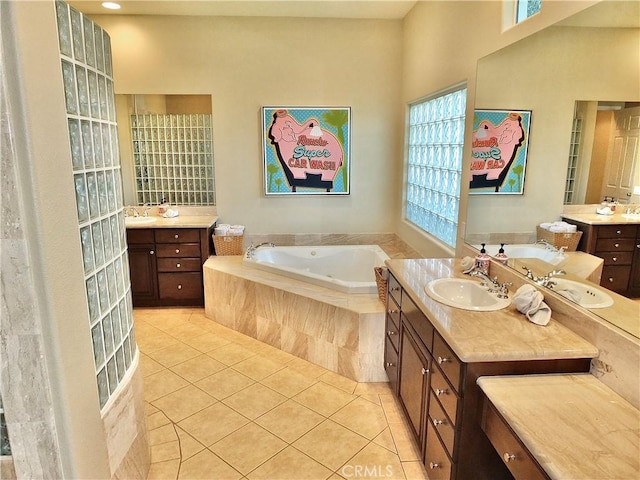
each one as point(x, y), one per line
point(568, 240)
point(381, 280)
point(228, 244)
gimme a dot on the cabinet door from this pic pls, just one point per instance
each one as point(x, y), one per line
point(634, 281)
point(142, 265)
point(413, 380)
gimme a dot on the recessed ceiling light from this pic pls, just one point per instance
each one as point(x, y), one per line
point(111, 5)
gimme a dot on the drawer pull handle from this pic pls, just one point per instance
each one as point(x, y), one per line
point(442, 392)
point(175, 236)
point(442, 360)
point(438, 422)
point(508, 457)
point(617, 245)
point(152, 252)
point(638, 245)
point(615, 259)
point(433, 466)
point(618, 232)
point(389, 364)
point(391, 332)
point(179, 287)
point(177, 250)
point(395, 289)
point(425, 371)
point(610, 279)
point(392, 311)
point(178, 265)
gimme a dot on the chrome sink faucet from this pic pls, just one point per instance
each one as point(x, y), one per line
point(550, 247)
point(486, 280)
point(545, 280)
point(252, 248)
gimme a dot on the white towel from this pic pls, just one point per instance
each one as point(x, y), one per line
point(559, 227)
point(171, 213)
point(467, 264)
point(530, 301)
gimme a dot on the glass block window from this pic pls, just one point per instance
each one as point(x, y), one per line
point(85, 51)
point(526, 9)
point(173, 157)
point(434, 164)
point(572, 168)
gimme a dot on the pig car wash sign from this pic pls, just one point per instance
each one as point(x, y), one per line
point(499, 151)
point(306, 150)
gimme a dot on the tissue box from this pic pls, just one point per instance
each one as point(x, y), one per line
point(569, 240)
point(228, 244)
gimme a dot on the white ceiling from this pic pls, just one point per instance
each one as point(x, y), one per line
point(378, 9)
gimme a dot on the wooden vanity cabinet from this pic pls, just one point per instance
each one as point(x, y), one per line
point(440, 397)
point(166, 265)
point(619, 247)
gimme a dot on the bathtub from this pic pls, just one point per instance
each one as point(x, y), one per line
point(346, 268)
point(526, 250)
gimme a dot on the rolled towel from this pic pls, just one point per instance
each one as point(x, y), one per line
point(221, 230)
point(569, 293)
point(171, 213)
point(467, 264)
point(530, 301)
point(546, 225)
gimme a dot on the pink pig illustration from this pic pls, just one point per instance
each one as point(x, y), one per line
point(309, 155)
point(494, 149)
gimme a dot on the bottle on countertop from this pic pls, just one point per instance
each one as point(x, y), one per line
point(483, 261)
point(501, 256)
point(163, 207)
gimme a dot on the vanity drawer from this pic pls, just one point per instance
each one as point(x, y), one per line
point(394, 289)
point(418, 322)
point(438, 464)
point(616, 278)
point(393, 335)
point(444, 393)
point(617, 258)
point(180, 286)
point(391, 364)
point(393, 313)
point(179, 250)
point(441, 424)
point(615, 245)
point(447, 361)
point(140, 235)
point(177, 235)
point(616, 231)
point(179, 265)
point(513, 453)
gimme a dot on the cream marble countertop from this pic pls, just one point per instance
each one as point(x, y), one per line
point(502, 335)
point(576, 427)
point(181, 221)
point(595, 219)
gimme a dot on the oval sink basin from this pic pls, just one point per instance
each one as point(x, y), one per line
point(585, 295)
point(138, 220)
point(465, 294)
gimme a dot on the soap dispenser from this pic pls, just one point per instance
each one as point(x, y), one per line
point(501, 256)
point(162, 208)
point(483, 261)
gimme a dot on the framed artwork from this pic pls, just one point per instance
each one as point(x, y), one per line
point(306, 150)
point(499, 151)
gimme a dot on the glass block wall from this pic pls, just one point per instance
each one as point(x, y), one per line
point(85, 52)
point(574, 156)
point(173, 157)
point(434, 165)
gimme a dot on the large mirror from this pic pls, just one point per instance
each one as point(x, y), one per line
point(593, 56)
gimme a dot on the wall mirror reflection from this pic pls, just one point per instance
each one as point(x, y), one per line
point(595, 60)
point(167, 149)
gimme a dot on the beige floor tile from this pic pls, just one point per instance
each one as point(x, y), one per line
point(275, 354)
point(362, 417)
point(161, 384)
point(149, 409)
point(375, 399)
point(385, 439)
point(231, 353)
point(290, 420)
point(164, 470)
point(165, 451)
point(338, 381)
point(247, 448)
point(206, 342)
point(373, 462)
point(213, 423)
point(184, 403)
point(331, 444)
point(198, 368)
point(405, 442)
point(149, 365)
point(290, 464)
point(307, 368)
point(224, 383)
point(167, 318)
point(150, 343)
point(186, 330)
point(324, 399)
point(174, 354)
point(189, 446)
point(157, 420)
point(373, 388)
point(392, 409)
point(414, 471)
point(254, 400)
point(207, 466)
point(288, 382)
point(257, 367)
point(166, 433)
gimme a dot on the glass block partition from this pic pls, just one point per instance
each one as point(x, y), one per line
point(85, 51)
point(434, 165)
point(173, 157)
point(574, 155)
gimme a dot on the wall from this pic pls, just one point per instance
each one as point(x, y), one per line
point(245, 63)
point(587, 64)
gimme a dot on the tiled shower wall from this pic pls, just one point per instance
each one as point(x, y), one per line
point(85, 52)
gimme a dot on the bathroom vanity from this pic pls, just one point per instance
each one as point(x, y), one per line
point(166, 257)
point(434, 355)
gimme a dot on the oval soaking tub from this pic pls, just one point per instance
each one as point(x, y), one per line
point(346, 268)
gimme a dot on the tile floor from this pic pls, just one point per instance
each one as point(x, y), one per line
point(221, 405)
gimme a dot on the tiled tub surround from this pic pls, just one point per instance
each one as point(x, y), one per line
point(341, 332)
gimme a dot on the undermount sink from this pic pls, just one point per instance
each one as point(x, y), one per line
point(589, 296)
point(138, 220)
point(465, 294)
